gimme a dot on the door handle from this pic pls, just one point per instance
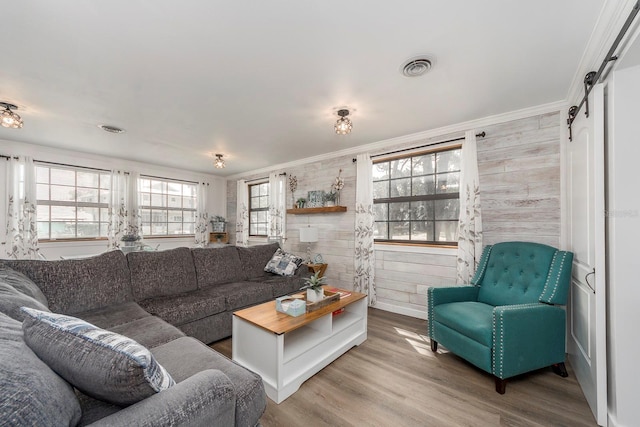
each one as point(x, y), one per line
point(586, 280)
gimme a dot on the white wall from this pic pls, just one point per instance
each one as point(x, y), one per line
point(623, 232)
point(519, 165)
point(216, 200)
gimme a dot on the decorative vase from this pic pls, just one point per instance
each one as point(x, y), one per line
point(338, 198)
point(129, 243)
point(315, 296)
point(330, 203)
point(218, 226)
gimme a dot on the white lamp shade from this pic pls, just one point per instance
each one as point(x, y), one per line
point(308, 235)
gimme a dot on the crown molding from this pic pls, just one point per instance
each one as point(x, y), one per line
point(414, 137)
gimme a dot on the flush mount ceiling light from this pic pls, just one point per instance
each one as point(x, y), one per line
point(416, 66)
point(219, 162)
point(8, 118)
point(343, 126)
point(111, 129)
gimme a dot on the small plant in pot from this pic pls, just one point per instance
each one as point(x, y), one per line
point(301, 202)
point(330, 198)
point(218, 224)
point(130, 239)
point(313, 285)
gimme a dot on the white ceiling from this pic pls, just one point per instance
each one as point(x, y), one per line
point(259, 80)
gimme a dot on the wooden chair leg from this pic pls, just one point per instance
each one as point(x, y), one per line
point(434, 345)
point(560, 369)
point(501, 385)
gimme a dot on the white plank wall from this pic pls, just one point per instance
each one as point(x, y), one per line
point(519, 165)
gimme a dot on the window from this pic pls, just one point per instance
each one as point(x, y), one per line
point(259, 209)
point(73, 202)
point(416, 198)
point(167, 207)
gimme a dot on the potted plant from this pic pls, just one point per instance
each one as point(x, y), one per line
point(218, 224)
point(301, 202)
point(130, 239)
point(313, 285)
point(330, 198)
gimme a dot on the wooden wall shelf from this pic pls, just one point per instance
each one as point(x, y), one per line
point(327, 209)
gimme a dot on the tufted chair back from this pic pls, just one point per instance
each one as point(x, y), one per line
point(523, 272)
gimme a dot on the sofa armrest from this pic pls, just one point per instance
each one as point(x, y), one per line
point(527, 337)
point(437, 296)
point(204, 399)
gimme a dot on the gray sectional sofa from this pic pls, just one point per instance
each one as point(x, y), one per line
point(171, 302)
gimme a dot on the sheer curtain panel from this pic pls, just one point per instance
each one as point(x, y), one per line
point(470, 223)
point(21, 239)
point(124, 212)
point(242, 214)
point(277, 208)
point(202, 217)
point(364, 259)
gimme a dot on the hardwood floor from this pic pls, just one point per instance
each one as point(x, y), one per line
point(394, 379)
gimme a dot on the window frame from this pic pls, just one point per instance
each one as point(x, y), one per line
point(419, 198)
point(102, 207)
point(166, 208)
point(260, 209)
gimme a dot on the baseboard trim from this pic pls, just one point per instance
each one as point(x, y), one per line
point(401, 310)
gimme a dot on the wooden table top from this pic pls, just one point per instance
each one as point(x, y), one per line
point(266, 316)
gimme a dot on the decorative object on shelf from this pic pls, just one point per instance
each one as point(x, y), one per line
point(318, 259)
point(315, 199)
point(343, 126)
point(300, 203)
point(293, 186)
point(8, 118)
point(337, 186)
point(218, 224)
point(130, 239)
point(219, 162)
point(308, 235)
point(313, 285)
point(330, 198)
point(319, 268)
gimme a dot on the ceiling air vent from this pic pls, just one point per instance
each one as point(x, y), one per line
point(111, 129)
point(415, 67)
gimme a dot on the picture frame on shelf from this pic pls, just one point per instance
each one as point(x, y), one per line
point(315, 199)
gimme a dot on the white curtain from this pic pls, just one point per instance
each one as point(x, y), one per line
point(21, 239)
point(364, 260)
point(202, 217)
point(124, 212)
point(470, 224)
point(242, 214)
point(277, 208)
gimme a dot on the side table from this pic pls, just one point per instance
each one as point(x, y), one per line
point(314, 268)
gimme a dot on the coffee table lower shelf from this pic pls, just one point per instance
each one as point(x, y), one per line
point(286, 360)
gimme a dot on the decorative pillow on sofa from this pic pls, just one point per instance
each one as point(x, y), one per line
point(100, 363)
point(283, 263)
point(22, 283)
point(11, 300)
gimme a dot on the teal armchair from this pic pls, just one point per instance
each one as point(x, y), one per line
point(510, 320)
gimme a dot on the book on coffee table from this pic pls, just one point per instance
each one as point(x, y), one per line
point(343, 293)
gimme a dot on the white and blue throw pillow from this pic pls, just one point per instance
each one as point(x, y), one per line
point(283, 263)
point(100, 363)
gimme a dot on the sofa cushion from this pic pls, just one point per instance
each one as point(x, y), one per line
point(32, 394)
point(22, 283)
point(187, 307)
point(217, 265)
point(254, 258)
point(470, 318)
point(11, 300)
point(243, 294)
point(250, 395)
point(100, 363)
point(282, 285)
point(76, 285)
point(149, 331)
point(283, 263)
point(117, 314)
point(161, 273)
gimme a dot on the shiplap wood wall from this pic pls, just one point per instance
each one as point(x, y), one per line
point(519, 166)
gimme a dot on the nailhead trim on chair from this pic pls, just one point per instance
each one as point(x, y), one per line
point(557, 280)
point(546, 284)
point(480, 272)
point(499, 311)
point(430, 296)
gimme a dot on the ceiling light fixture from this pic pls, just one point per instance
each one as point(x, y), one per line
point(343, 126)
point(8, 118)
point(219, 162)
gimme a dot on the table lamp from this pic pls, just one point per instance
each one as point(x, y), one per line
point(308, 235)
